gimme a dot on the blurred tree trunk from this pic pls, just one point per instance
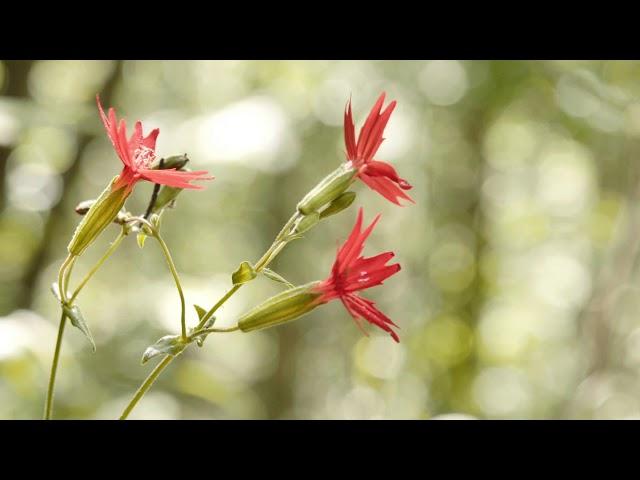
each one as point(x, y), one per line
point(58, 211)
point(17, 72)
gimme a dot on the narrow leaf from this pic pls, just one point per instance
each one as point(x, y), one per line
point(200, 311)
point(167, 345)
point(276, 277)
point(77, 320)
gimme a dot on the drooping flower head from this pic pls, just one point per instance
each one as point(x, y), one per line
point(138, 154)
point(379, 176)
point(351, 272)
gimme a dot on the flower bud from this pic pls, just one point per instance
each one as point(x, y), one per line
point(165, 198)
point(339, 204)
point(328, 189)
point(281, 308)
point(100, 215)
point(174, 161)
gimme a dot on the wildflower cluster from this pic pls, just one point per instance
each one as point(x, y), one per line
point(350, 274)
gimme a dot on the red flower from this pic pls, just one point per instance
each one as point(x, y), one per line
point(379, 176)
point(138, 153)
point(352, 272)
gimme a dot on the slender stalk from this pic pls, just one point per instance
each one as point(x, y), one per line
point(112, 248)
point(63, 281)
point(275, 248)
point(146, 386)
point(154, 195)
point(61, 276)
point(48, 408)
point(67, 276)
point(264, 261)
point(215, 330)
point(174, 272)
point(218, 304)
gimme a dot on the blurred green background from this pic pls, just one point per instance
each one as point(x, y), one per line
point(518, 296)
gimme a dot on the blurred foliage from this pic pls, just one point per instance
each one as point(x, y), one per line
point(518, 295)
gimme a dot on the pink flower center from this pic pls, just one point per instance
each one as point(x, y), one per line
point(143, 157)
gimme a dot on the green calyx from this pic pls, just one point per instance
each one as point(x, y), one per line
point(330, 188)
point(284, 307)
point(103, 211)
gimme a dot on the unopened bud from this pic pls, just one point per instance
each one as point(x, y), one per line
point(83, 207)
point(328, 189)
point(165, 198)
point(339, 204)
point(100, 215)
point(281, 308)
point(174, 161)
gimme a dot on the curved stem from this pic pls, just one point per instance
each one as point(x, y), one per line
point(215, 330)
point(218, 304)
point(62, 281)
point(275, 248)
point(67, 276)
point(146, 386)
point(48, 408)
point(107, 254)
point(174, 272)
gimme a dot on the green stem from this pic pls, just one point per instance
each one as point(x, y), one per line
point(107, 254)
point(215, 330)
point(174, 272)
point(264, 261)
point(220, 302)
point(146, 386)
point(62, 281)
point(48, 409)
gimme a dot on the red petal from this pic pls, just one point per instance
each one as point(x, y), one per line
point(135, 140)
point(385, 187)
point(343, 251)
point(365, 131)
point(361, 307)
point(369, 272)
point(383, 169)
point(349, 133)
point(372, 279)
point(175, 178)
point(353, 246)
point(357, 318)
point(124, 145)
point(375, 135)
point(125, 179)
point(150, 140)
point(110, 125)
